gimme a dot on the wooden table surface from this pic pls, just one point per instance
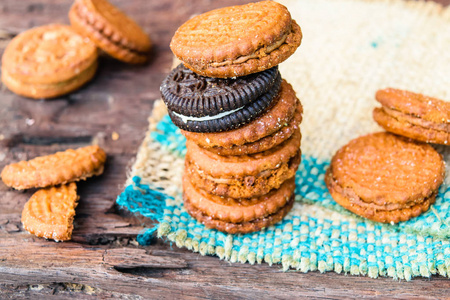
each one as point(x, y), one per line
point(103, 260)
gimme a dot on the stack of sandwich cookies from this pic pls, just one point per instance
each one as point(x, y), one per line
point(241, 122)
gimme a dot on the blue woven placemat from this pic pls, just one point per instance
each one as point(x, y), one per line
point(335, 73)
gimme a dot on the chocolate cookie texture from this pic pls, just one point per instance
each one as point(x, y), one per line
point(231, 119)
point(413, 115)
point(111, 30)
point(48, 61)
point(190, 94)
point(238, 40)
point(385, 178)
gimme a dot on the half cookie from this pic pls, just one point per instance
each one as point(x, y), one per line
point(413, 115)
point(201, 104)
point(111, 30)
point(238, 40)
point(48, 61)
point(385, 178)
point(49, 213)
point(277, 124)
point(243, 176)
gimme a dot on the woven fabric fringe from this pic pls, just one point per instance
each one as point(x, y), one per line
point(350, 49)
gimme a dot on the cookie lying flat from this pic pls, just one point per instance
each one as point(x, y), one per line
point(414, 115)
point(244, 227)
point(49, 213)
point(238, 40)
point(276, 125)
point(111, 30)
point(385, 178)
point(238, 210)
point(59, 168)
point(48, 61)
point(244, 176)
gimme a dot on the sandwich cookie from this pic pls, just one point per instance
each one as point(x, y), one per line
point(244, 227)
point(385, 178)
point(276, 125)
point(111, 30)
point(238, 210)
point(244, 176)
point(49, 213)
point(48, 61)
point(238, 40)
point(215, 105)
point(413, 115)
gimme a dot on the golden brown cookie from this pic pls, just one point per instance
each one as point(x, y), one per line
point(49, 213)
point(59, 168)
point(235, 228)
point(238, 40)
point(385, 178)
point(244, 176)
point(238, 210)
point(48, 61)
point(413, 115)
point(277, 124)
point(112, 30)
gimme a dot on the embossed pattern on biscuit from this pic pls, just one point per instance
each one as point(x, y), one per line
point(385, 178)
point(238, 40)
point(49, 213)
point(54, 169)
point(48, 54)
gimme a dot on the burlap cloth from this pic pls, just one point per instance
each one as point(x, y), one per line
point(350, 49)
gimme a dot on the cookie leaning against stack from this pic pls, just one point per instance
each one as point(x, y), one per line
point(243, 135)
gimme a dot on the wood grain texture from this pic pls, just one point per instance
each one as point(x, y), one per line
point(103, 260)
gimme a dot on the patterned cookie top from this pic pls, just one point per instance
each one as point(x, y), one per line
point(231, 32)
point(417, 105)
point(49, 213)
point(383, 168)
point(48, 54)
point(58, 168)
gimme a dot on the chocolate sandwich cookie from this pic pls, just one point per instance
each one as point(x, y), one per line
point(385, 178)
point(238, 40)
point(190, 94)
point(238, 210)
point(228, 119)
point(244, 176)
point(276, 125)
point(413, 115)
point(111, 30)
point(244, 227)
point(48, 61)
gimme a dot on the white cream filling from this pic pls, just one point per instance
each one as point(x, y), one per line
point(185, 119)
